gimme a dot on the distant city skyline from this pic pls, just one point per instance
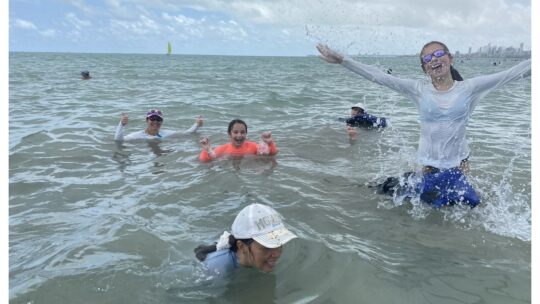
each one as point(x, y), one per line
point(497, 51)
point(483, 51)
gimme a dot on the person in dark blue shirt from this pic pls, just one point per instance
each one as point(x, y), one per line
point(359, 118)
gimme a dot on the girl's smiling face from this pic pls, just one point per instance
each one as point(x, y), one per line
point(437, 67)
point(238, 134)
point(257, 256)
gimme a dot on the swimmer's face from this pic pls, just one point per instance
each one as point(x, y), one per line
point(238, 134)
point(154, 123)
point(437, 67)
point(262, 258)
point(355, 111)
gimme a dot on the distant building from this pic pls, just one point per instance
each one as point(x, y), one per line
point(489, 51)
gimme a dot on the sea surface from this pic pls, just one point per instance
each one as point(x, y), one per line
point(96, 221)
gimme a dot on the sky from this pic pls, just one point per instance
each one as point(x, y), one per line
point(263, 27)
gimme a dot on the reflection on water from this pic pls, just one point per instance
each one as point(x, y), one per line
point(154, 146)
point(121, 156)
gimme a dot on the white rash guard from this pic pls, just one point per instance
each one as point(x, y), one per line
point(443, 114)
point(119, 135)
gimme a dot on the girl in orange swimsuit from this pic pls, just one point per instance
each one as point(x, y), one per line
point(238, 145)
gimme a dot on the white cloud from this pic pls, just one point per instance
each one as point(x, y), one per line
point(48, 33)
point(24, 24)
point(76, 22)
point(143, 26)
point(227, 31)
point(380, 15)
point(406, 13)
point(81, 5)
point(203, 28)
point(149, 23)
point(27, 25)
point(255, 11)
point(183, 20)
point(367, 26)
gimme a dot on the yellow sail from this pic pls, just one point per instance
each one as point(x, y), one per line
point(169, 48)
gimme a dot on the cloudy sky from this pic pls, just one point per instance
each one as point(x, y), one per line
point(264, 27)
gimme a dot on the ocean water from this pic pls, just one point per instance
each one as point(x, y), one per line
point(95, 221)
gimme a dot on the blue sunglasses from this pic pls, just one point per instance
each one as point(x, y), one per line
point(438, 54)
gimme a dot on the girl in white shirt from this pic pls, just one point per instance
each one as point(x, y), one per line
point(154, 120)
point(445, 105)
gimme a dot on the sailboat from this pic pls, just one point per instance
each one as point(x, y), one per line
point(169, 48)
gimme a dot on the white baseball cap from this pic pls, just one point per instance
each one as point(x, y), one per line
point(263, 224)
point(359, 105)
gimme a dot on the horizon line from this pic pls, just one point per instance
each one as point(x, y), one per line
point(464, 55)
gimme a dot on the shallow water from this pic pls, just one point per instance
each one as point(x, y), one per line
point(94, 221)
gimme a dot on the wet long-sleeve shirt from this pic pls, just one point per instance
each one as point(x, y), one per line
point(443, 114)
point(119, 135)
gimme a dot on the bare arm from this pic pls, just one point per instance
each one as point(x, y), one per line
point(207, 153)
point(267, 145)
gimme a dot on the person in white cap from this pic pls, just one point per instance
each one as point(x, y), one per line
point(154, 120)
point(256, 240)
point(360, 118)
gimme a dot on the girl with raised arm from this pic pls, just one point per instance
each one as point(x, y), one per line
point(445, 106)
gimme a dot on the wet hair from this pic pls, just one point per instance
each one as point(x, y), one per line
point(233, 122)
point(455, 74)
point(203, 250)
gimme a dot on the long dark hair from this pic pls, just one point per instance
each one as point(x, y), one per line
point(455, 74)
point(235, 121)
point(203, 250)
